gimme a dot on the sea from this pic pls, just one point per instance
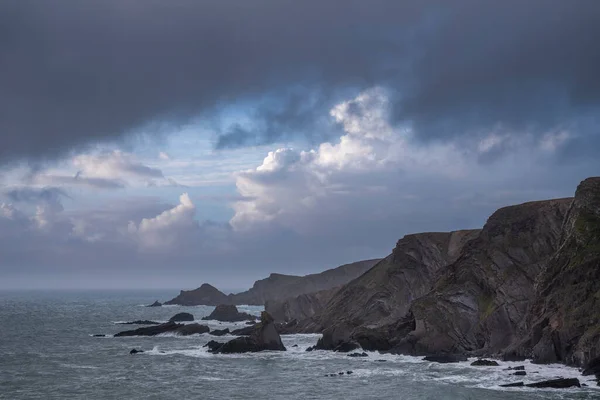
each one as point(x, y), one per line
point(47, 351)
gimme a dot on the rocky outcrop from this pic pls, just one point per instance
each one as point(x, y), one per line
point(263, 337)
point(204, 295)
point(169, 327)
point(228, 313)
point(374, 309)
point(275, 287)
point(301, 307)
point(564, 321)
point(479, 300)
point(155, 304)
point(181, 317)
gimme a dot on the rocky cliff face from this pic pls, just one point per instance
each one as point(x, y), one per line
point(564, 321)
point(276, 287)
point(480, 300)
point(301, 307)
point(380, 299)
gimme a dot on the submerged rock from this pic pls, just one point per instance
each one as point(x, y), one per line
point(358, 355)
point(228, 313)
point(139, 322)
point(346, 347)
point(485, 363)
point(99, 335)
point(520, 373)
point(135, 351)
point(155, 304)
point(516, 384)
point(264, 337)
point(519, 368)
point(446, 358)
point(182, 316)
point(561, 383)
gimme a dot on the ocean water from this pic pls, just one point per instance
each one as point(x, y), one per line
point(46, 352)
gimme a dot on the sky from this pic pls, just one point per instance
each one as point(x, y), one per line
point(152, 144)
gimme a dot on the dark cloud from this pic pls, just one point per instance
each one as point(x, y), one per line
point(74, 73)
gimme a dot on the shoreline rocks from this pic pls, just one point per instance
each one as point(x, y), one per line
point(181, 317)
point(169, 327)
point(263, 337)
point(155, 304)
point(228, 313)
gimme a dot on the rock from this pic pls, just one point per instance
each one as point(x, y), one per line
point(219, 332)
point(358, 355)
point(264, 337)
point(228, 313)
point(99, 335)
point(340, 373)
point(346, 347)
point(349, 372)
point(251, 323)
point(192, 329)
point(244, 331)
point(592, 368)
point(300, 307)
point(295, 345)
point(181, 317)
point(485, 363)
point(381, 360)
point(561, 383)
point(155, 304)
point(513, 357)
point(311, 348)
point(519, 368)
point(213, 346)
point(446, 358)
point(565, 314)
point(139, 322)
point(374, 309)
point(206, 295)
point(135, 351)
point(520, 373)
point(516, 384)
point(169, 327)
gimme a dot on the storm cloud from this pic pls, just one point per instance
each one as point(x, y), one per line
point(77, 73)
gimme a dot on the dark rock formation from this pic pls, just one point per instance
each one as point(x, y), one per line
point(155, 304)
point(346, 347)
point(556, 383)
point(179, 329)
point(228, 313)
point(446, 358)
point(181, 317)
point(205, 295)
point(135, 351)
point(479, 300)
point(213, 346)
point(139, 322)
point(564, 322)
point(519, 368)
point(220, 332)
point(374, 309)
point(98, 335)
point(520, 373)
point(485, 363)
point(593, 368)
point(192, 329)
point(264, 337)
point(248, 330)
point(300, 307)
point(275, 287)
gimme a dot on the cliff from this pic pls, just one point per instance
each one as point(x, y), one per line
point(276, 287)
point(479, 300)
point(563, 324)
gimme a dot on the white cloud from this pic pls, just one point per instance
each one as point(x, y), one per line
point(164, 230)
point(163, 156)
